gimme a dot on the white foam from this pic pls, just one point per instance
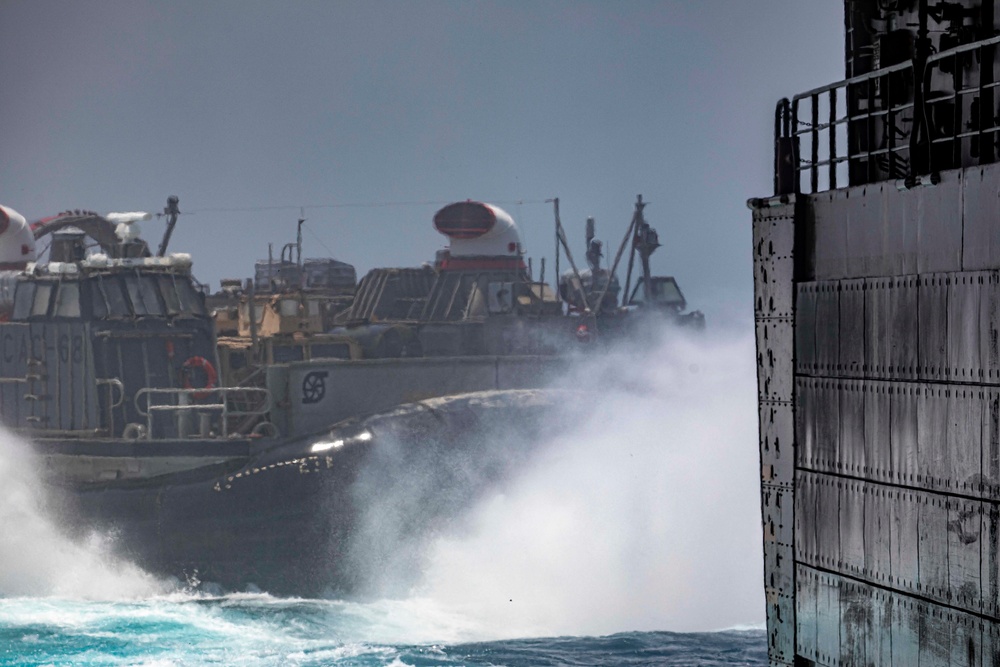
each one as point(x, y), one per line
point(37, 558)
point(644, 517)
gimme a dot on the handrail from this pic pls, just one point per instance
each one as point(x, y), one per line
point(854, 80)
point(964, 48)
point(880, 133)
point(986, 121)
point(184, 404)
point(114, 382)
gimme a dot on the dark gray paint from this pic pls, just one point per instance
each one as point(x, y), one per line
point(896, 394)
point(364, 387)
point(47, 376)
point(774, 258)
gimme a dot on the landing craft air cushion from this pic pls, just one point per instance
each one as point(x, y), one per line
point(241, 437)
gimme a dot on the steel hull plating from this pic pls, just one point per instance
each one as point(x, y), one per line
point(880, 443)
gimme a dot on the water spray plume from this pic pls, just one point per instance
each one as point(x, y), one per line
point(640, 513)
point(643, 516)
point(37, 558)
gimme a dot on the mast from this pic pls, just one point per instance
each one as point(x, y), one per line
point(646, 242)
point(561, 239)
point(171, 211)
point(555, 206)
point(298, 238)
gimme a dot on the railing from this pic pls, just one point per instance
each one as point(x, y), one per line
point(976, 137)
point(114, 383)
point(188, 403)
point(868, 128)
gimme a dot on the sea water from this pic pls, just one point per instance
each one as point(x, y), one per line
point(633, 538)
point(258, 630)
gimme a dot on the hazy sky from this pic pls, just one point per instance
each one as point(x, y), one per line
point(114, 106)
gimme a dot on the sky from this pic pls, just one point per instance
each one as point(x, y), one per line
point(372, 115)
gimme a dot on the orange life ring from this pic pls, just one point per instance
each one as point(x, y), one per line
point(210, 375)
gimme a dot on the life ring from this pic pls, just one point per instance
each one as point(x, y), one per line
point(210, 376)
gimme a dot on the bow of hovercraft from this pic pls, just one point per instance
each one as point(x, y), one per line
point(329, 513)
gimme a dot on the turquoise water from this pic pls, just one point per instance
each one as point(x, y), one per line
point(259, 630)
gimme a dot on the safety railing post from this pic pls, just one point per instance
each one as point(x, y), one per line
point(890, 127)
point(814, 142)
point(956, 117)
point(794, 134)
point(832, 130)
point(871, 170)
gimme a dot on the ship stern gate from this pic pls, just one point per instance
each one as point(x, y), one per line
point(877, 316)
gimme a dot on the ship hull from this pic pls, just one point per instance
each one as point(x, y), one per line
point(878, 371)
point(310, 516)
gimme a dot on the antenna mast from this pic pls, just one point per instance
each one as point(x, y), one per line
point(172, 212)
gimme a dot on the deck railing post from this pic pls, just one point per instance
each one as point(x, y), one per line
point(794, 134)
point(814, 141)
point(832, 129)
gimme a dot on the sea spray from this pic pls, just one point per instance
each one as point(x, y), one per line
point(37, 558)
point(262, 631)
point(424, 471)
point(644, 515)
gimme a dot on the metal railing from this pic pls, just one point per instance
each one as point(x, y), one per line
point(188, 403)
point(113, 383)
point(867, 129)
point(966, 127)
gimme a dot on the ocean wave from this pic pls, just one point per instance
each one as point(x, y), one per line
point(258, 630)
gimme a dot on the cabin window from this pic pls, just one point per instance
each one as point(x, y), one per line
point(132, 285)
point(68, 300)
point(191, 301)
point(24, 299)
point(663, 290)
point(150, 297)
point(43, 294)
point(313, 308)
point(98, 299)
point(330, 351)
point(8, 284)
point(288, 307)
point(142, 292)
point(169, 294)
point(500, 297)
point(109, 298)
point(284, 353)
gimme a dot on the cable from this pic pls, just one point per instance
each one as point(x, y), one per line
point(249, 209)
point(319, 240)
